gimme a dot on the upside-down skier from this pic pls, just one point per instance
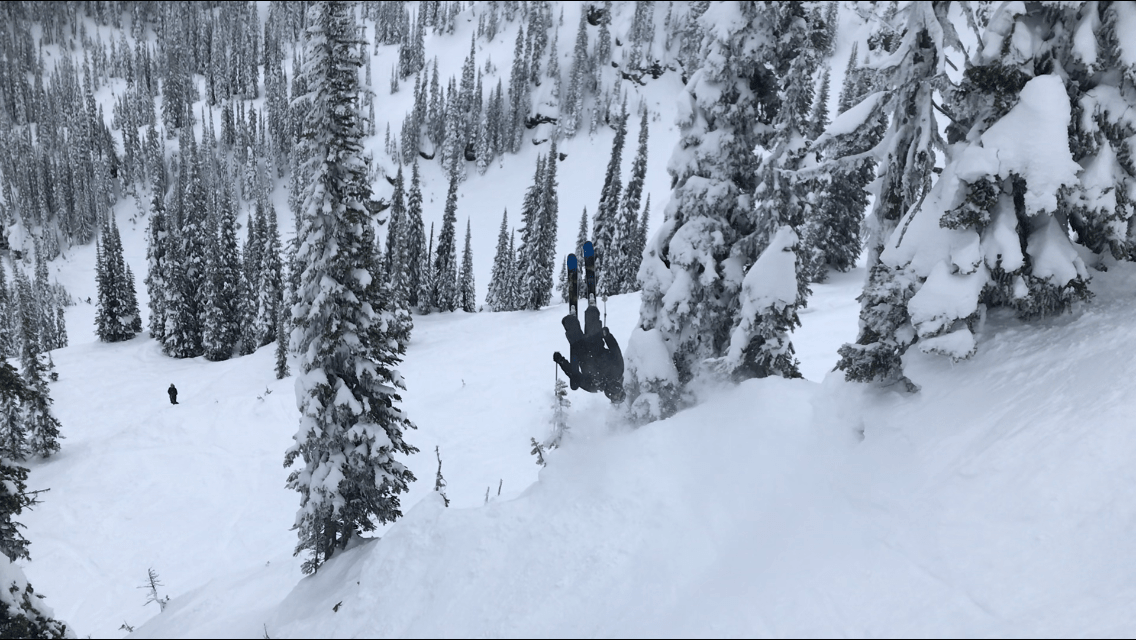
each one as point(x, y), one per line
point(596, 361)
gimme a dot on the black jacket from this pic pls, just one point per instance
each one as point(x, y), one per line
point(593, 367)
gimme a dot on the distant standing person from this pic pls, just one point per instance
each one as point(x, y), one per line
point(173, 394)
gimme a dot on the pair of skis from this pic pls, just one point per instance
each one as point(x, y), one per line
point(589, 277)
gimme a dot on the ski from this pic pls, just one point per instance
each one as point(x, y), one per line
point(590, 271)
point(573, 284)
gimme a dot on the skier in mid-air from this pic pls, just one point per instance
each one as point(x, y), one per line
point(597, 362)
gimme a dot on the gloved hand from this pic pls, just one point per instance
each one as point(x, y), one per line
point(606, 333)
point(556, 357)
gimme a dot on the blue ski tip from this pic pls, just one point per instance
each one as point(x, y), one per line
point(571, 262)
point(588, 250)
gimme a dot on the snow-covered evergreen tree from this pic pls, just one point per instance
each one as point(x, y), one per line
point(690, 273)
point(607, 213)
point(252, 260)
point(221, 331)
point(271, 289)
point(512, 293)
point(426, 291)
point(639, 243)
point(994, 231)
point(7, 314)
point(282, 325)
point(39, 425)
point(467, 290)
point(117, 317)
point(518, 96)
point(908, 77)
point(1100, 83)
point(548, 221)
point(445, 272)
point(414, 255)
point(394, 267)
point(528, 260)
point(351, 427)
point(623, 264)
point(581, 69)
point(495, 297)
point(22, 611)
point(186, 254)
point(759, 344)
point(833, 233)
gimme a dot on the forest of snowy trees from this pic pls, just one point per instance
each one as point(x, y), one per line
point(979, 156)
point(999, 174)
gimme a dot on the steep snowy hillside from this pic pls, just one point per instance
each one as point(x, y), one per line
point(998, 501)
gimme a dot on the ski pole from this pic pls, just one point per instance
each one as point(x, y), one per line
point(605, 310)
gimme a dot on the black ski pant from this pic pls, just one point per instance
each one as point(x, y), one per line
point(592, 325)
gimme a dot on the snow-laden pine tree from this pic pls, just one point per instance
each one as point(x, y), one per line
point(692, 276)
point(495, 297)
point(445, 283)
point(607, 212)
point(252, 260)
point(13, 395)
point(22, 611)
point(271, 289)
point(117, 317)
point(282, 325)
point(573, 107)
point(221, 331)
point(623, 264)
point(49, 303)
point(518, 96)
point(528, 257)
point(39, 424)
point(414, 255)
point(426, 293)
point(543, 257)
point(467, 290)
point(190, 241)
point(759, 343)
point(7, 313)
point(350, 428)
point(815, 231)
point(512, 293)
point(393, 266)
point(834, 230)
point(1101, 75)
point(635, 254)
point(994, 230)
point(908, 74)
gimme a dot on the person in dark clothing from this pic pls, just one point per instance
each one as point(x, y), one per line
point(597, 362)
point(173, 394)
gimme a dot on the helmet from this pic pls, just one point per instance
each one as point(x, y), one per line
point(614, 392)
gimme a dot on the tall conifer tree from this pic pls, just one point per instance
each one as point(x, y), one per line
point(496, 297)
point(607, 212)
point(467, 291)
point(351, 428)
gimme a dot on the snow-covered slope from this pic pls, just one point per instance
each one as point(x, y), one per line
point(999, 501)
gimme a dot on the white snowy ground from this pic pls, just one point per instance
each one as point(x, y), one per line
point(998, 501)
